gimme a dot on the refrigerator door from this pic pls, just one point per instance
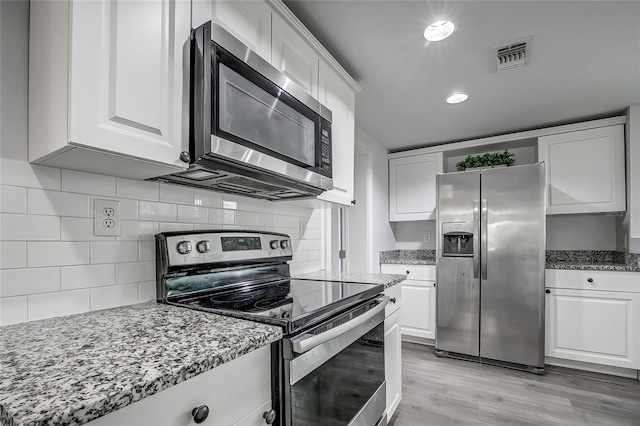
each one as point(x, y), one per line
point(458, 290)
point(513, 246)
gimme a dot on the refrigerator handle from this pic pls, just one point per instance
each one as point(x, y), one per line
point(476, 237)
point(483, 237)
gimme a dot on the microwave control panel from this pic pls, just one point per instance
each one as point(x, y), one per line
point(325, 143)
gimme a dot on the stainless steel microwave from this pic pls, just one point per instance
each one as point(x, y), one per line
point(253, 131)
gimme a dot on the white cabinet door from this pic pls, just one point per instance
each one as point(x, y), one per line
point(412, 187)
point(585, 170)
point(247, 20)
point(127, 82)
point(393, 361)
point(233, 392)
point(418, 317)
point(293, 56)
point(336, 95)
point(600, 327)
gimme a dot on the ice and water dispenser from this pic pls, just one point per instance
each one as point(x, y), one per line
point(457, 239)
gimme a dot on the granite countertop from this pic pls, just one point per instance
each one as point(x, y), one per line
point(388, 280)
point(592, 266)
point(73, 369)
point(408, 257)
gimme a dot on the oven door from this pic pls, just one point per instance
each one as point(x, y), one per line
point(334, 375)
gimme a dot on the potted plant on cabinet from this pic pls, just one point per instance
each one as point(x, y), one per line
point(488, 160)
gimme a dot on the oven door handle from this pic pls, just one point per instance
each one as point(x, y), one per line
point(304, 345)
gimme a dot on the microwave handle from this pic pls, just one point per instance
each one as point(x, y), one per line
point(306, 344)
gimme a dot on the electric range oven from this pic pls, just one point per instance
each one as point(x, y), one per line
point(329, 368)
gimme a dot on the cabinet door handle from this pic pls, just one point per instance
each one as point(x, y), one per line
point(185, 157)
point(269, 416)
point(590, 280)
point(547, 291)
point(200, 413)
point(393, 300)
point(408, 272)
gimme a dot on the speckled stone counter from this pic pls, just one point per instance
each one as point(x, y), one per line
point(408, 257)
point(73, 369)
point(593, 260)
point(388, 280)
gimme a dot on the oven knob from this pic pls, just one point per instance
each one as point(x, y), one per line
point(203, 246)
point(184, 247)
point(273, 244)
point(284, 243)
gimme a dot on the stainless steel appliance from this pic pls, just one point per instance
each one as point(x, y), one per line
point(329, 367)
point(490, 266)
point(253, 131)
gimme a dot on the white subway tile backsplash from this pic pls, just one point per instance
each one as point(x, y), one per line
point(86, 276)
point(245, 218)
point(133, 230)
point(137, 190)
point(161, 212)
point(204, 227)
point(147, 250)
point(88, 183)
point(171, 227)
point(192, 214)
point(233, 202)
point(13, 254)
point(57, 203)
point(128, 209)
point(19, 282)
point(264, 219)
point(79, 229)
point(21, 173)
point(114, 251)
point(176, 194)
point(135, 272)
point(21, 227)
point(146, 291)
point(222, 216)
point(112, 296)
point(46, 305)
point(208, 198)
point(13, 310)
point(254, 205)
point(57, 253)
point(13, 199)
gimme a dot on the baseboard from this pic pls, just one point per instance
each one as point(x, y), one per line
point(418, 340)
point(595, 368)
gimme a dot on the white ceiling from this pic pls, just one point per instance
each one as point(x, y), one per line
point(584, 63)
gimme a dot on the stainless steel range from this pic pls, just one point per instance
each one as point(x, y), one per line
point(329, 367)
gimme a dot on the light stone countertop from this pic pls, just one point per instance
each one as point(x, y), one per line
point(74, 369)
point(388, 280)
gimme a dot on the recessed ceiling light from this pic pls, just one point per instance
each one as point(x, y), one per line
point(439, 30)
point(456, 98)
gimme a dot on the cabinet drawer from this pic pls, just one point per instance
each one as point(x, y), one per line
point(413, 272)
point(231, 391)
point(593, 280)
point(394, 293)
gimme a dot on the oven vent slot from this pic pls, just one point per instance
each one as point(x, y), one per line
point(513, 55)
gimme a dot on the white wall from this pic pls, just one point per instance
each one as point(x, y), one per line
point(380, 230)
point(410, 235)
point(581, 232)
point(51, 263)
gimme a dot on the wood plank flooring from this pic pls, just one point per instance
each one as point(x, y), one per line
point(442, 392)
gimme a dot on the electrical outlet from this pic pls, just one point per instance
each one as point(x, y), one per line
point(106, 217)
point(427, 238)
point(302, 225)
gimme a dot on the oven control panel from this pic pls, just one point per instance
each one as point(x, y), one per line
point(223, 246)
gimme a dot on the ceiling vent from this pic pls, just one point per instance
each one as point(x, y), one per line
point(514, 54)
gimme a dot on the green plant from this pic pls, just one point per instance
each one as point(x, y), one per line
point(489, 159)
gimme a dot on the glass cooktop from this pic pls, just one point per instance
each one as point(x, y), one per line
point(291, 303)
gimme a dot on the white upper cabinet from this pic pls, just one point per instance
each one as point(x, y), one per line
point(585, 170)
point(336, 95)
point(248, 20)
point(412, 186)
point(294, 57)
point(108, 91)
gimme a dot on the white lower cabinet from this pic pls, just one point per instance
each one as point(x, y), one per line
point(418, 318)
point(393, 350)
point(236, 393)
point(594, 318)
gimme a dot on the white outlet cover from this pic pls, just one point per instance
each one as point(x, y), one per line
point(427, 238)
point(106, 215)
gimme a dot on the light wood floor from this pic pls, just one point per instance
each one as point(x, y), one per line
point(442, 392)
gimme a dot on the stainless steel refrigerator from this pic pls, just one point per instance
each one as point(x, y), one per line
point(490, 266)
